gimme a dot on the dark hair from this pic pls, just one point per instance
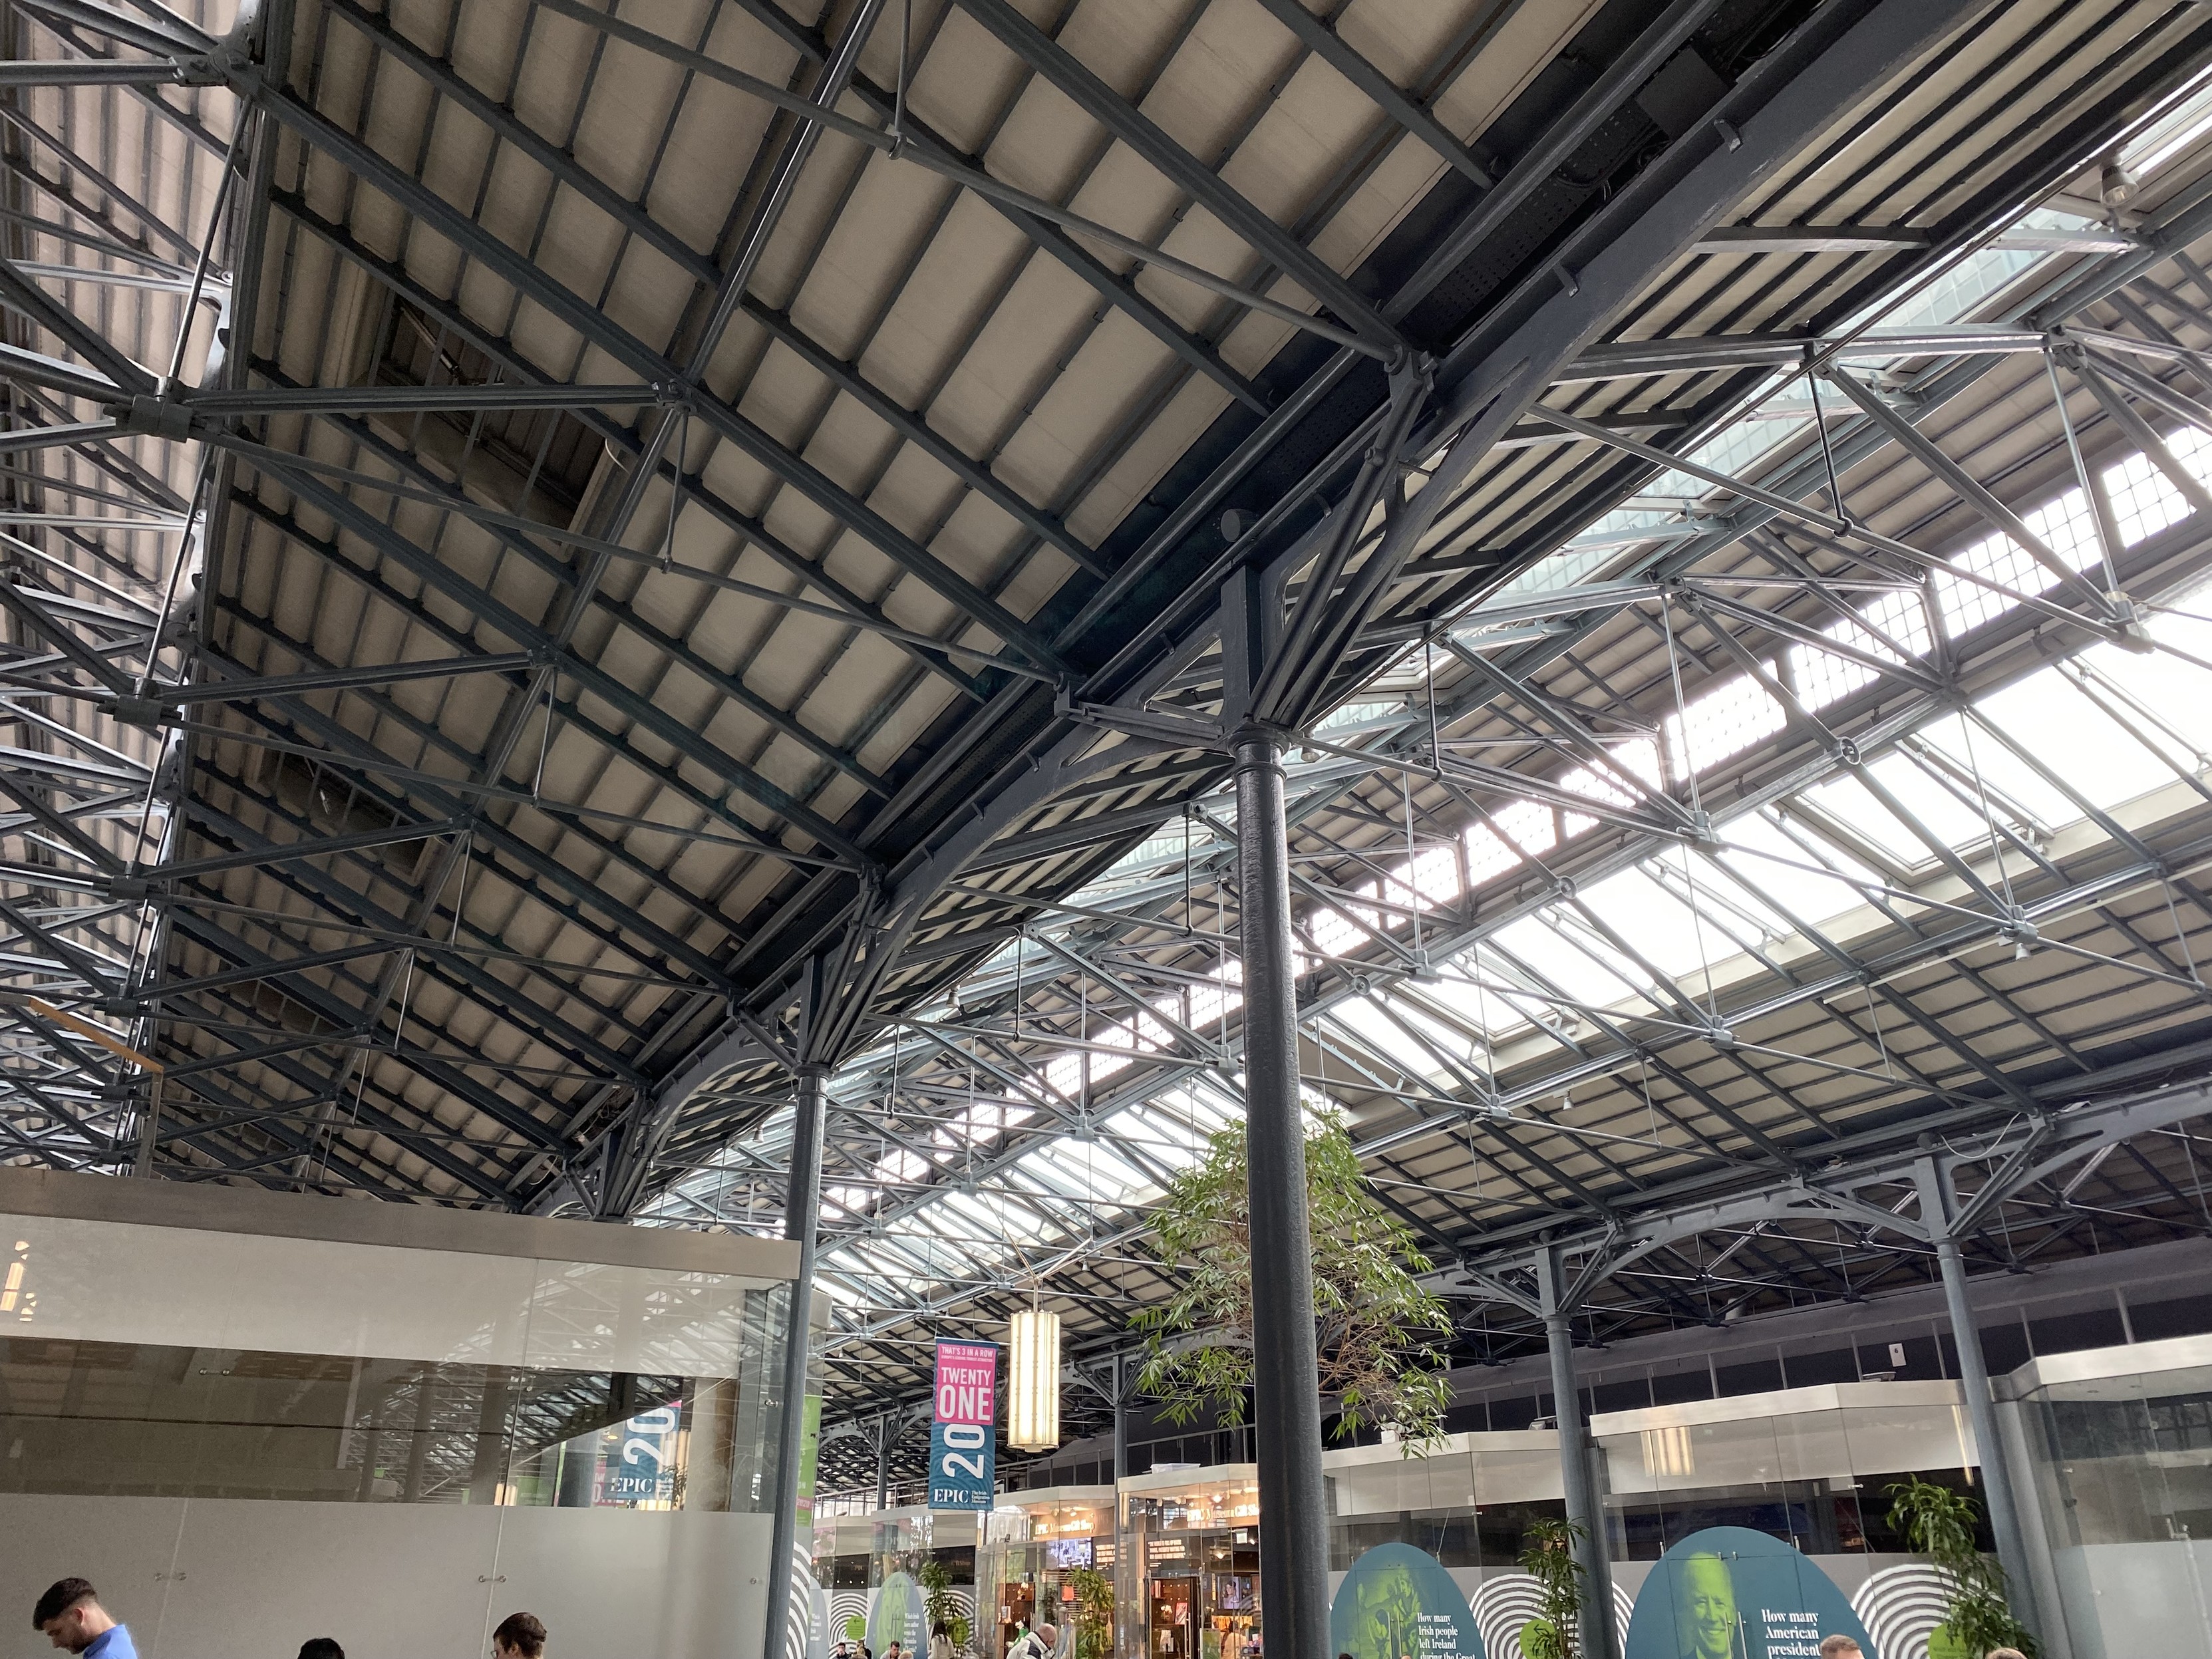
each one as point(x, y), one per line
point(321, 1647)
point(522, 1632)
point(61, 1595)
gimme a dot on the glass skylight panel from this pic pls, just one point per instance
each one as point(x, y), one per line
point(1971, 280)
point(1375, 1029)
point(1821, 678)
point(1537, 941)
point(1787, 873)
point(1951, 821)
point(1358, 714)
point(1983, 755)
point(2164, 139)
point(2144, 500)
point(1851, 805)
point(1721, 721)
point(1488, 854)
point(1459, 990)
point(2047, 714)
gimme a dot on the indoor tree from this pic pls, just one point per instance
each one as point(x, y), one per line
point(939, 1607)
point(1547, 1555)
point(1379, 1334)
point(1939, 1524)
point(1094, 1612)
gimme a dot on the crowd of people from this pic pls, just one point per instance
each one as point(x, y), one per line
point(70, 1616)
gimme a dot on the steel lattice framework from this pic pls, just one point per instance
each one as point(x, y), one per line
point(564, 564)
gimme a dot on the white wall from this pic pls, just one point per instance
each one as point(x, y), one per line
point(110, 1281)
point(215, 1578)
point(2123, 1600)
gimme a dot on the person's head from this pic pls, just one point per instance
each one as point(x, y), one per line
point(1705, 1607)
point(2004, 1653)
point(520, 1636)
point(1844, 1647)
point(321, 1647)
point(70, 1615)
point(1049, 1633)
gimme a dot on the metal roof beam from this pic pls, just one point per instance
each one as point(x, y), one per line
point(1251, 226)
point(595, 327)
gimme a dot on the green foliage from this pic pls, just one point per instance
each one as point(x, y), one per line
point(856, 1629)
point(1094, 1613)
point(938, 1606)
point(1547, 1555)
point(1939, 1524)
point(1378, 1331)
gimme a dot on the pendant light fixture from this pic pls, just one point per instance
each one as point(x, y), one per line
point(1033, 1380)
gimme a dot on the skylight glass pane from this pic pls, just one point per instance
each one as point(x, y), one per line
point(1577, 975)
point(1722, 720)
point(1658, 927)
point(2086, 747)
point(1846, 800)
point(1892, 620)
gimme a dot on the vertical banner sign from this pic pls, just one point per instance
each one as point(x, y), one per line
point(646, 1473)
point(962, 1439)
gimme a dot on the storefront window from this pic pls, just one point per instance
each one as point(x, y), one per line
point(1192, 1591)
point(1040, 1545)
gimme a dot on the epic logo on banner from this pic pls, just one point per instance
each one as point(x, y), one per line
point(963, 1448)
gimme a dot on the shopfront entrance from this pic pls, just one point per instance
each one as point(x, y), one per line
point(1198, 1594)
point(1041, 1547)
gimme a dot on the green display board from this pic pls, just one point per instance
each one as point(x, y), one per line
point(1398, 1602)
point(1731, 1593)
point(897, 1615)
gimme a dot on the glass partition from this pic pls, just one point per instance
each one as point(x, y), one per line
point(391, 1428)
point(1467, 1501)
point(2130, 1457)
point(1810, 1465)
point(152, 1419)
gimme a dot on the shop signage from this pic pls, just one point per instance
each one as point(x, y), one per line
point(1731, 1593)
point(1398, 1602)
point(963, 1442)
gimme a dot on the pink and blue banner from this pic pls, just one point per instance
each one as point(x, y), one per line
point(963, 1439)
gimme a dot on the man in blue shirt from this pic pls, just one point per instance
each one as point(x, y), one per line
point(71, 1617)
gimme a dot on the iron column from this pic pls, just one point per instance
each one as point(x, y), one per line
point(1997, 1479)
point(882, 1437)
point(1286, 1376)
point(1121, 1469)
point(802, 1214)
point(1578, 1477)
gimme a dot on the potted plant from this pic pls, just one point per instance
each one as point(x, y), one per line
point(1547, 1555)
point(938, 1606)
point(1939, 1524)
